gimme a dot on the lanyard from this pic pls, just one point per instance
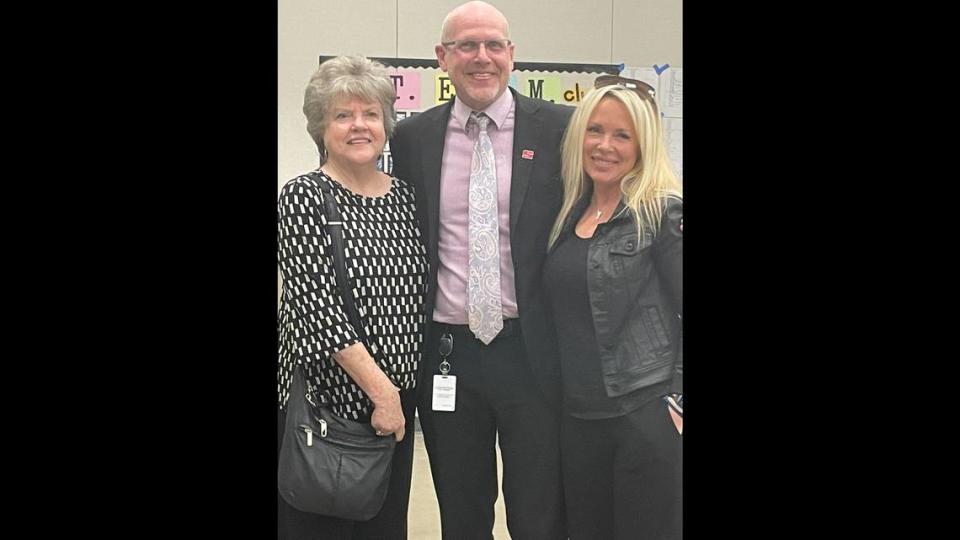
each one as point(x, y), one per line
point(446, 347)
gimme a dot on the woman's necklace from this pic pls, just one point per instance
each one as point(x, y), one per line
point(599, 213)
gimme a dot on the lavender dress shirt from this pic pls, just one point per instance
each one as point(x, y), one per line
point(452, 273)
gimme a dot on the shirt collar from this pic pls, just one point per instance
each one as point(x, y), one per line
point(497, 111)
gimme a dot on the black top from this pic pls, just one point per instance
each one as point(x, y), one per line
point(584, 395)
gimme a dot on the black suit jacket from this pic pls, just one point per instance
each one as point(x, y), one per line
point(535, 196)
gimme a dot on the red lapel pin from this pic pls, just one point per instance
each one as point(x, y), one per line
point(527, 154)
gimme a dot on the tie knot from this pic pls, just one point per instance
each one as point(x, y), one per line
point(480, 119)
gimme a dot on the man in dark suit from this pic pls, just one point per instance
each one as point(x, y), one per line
point(507, 383)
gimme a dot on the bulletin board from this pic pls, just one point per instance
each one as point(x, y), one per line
point(421, 85)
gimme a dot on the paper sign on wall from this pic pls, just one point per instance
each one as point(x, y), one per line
point(547, 88)
point(407, 84)
point(671, 92)
point(443, 88)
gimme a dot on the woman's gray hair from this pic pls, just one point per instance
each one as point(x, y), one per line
point(347, 77)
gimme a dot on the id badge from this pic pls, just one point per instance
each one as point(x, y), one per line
point(444, 392)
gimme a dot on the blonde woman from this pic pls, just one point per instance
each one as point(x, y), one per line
point(614, 279)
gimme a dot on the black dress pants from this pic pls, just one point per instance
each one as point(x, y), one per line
point(389, 524)
point(496, 397)
point(623, 477)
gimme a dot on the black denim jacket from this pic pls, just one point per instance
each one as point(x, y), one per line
point(636, 296)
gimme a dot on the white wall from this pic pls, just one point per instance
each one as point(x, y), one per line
point(632, 32)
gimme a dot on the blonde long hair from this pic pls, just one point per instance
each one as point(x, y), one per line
point(650, 180)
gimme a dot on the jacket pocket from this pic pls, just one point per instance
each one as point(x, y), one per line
point(622, 253)
point(650, 315)
point(649, 338)
point(626, 245)
point(626, 251)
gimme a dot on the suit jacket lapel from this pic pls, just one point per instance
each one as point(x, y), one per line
point(526, 127)
point(432, 159)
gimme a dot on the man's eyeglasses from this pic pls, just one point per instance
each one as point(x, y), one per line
point(642, 89)
point(469, 46)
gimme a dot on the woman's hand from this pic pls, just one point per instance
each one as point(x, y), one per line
point(387, 415)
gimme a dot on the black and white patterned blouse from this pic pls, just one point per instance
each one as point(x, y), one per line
point(386, 266)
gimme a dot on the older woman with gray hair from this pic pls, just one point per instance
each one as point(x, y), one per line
point(349, 109)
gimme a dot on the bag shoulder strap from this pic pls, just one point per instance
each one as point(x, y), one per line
point(334, 229)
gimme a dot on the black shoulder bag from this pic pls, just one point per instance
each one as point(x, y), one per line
point(330, 465)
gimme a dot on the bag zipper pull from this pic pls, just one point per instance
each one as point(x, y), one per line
point(309, 436)
point(323, 428)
